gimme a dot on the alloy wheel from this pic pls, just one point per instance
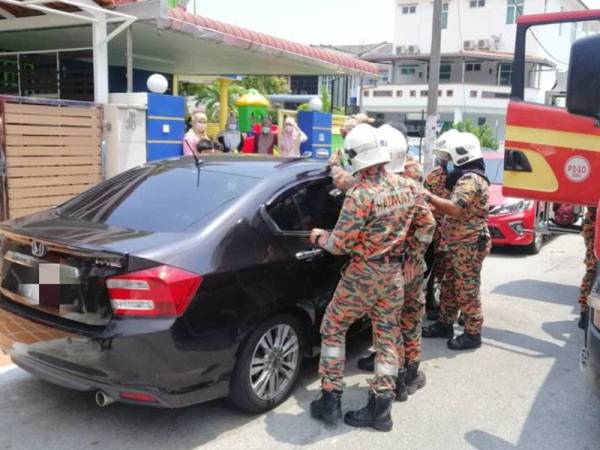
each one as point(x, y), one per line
point(274, 361)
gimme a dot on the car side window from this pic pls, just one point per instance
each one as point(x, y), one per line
point(308, 206)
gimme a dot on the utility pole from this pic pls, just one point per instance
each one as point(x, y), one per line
point(434, 79)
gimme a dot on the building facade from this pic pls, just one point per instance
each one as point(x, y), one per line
point(478, 39)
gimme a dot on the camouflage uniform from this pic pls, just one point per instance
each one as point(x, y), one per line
point(374, 222)
point(461, 240)
point(590, 261)
point(413, 310)
point(435, 182)
point(420, 235)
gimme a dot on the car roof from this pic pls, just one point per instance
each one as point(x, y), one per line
point(259, 166)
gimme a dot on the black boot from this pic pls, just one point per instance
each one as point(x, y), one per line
point(328, 407)
point(465, 341)
point(415, 379)
point(401, 392)
point(377, 414)
point(367, 364)
point(583, 320)
point(439, 330)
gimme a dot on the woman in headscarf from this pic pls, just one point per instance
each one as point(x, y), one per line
point(290, 139)
point(231, 139)
point(196, 133)
point(266, 140)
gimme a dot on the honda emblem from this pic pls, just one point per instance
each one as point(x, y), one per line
point(38, 249)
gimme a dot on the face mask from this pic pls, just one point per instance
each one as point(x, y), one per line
point(450, 167)
point(232, 127)
point(266, 130)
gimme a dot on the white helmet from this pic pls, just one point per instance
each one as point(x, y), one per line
point(392, 139)
point(461, 148)
point(363, 148)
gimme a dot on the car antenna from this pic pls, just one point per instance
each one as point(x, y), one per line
point(199, 162)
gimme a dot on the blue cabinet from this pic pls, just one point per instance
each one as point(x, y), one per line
point(317, 127)
point(166, 126)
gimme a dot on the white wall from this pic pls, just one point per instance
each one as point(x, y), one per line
point(466, 23)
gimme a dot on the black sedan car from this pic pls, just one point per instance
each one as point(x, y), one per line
point(174, 283)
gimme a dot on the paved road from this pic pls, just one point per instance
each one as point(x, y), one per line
point(522, 390)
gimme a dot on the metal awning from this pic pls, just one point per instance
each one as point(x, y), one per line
point(168, 40)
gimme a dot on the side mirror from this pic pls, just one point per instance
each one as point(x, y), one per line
point(583, 85)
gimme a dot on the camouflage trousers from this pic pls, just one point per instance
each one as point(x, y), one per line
point(366, 288)
point(411, 318)
point(460, 288)
point(590, 262)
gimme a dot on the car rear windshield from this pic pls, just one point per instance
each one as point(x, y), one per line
point(494, 169)
point(159, 198)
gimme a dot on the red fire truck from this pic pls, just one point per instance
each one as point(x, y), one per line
point(552, 153)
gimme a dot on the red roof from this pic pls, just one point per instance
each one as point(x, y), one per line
point(234, 33)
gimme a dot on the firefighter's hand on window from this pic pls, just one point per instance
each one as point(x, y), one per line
point(315, 234)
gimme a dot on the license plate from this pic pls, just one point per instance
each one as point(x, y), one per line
point(44, 283)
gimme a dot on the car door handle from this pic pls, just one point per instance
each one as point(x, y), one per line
point(307, 255)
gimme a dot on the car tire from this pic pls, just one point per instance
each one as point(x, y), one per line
point(247, 386)
point(536, 245)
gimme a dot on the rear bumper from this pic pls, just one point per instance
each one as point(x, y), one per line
point(160, 359)
point(164, 398)
point(502, 228)
point(590, 357)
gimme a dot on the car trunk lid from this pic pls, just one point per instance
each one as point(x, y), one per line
point(57, 278)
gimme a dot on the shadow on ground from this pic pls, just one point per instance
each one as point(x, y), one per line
point(542, 291)
point(552, 411)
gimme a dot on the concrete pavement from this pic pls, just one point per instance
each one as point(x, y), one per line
point(521, 390)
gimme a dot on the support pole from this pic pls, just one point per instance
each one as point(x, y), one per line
point(129, 60)
point(434, 79)
point(100, 46)
point(223, 101)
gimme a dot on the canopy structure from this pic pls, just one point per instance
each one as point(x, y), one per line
point(159, 38)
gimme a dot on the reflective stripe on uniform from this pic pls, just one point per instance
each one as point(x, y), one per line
point(332, 352)
point(384, 369)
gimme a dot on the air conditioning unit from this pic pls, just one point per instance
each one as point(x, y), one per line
point(401, 50)
point(484, 44)
point(413, 50)
point(470, 45)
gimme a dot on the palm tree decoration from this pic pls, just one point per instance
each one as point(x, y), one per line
point(207, 95)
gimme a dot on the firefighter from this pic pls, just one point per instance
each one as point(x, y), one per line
point(435, 182)
point(465, 239)
point(590, 261)
point(410, 379)
point(377, 213)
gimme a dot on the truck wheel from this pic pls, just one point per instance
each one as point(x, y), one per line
point(268, 365)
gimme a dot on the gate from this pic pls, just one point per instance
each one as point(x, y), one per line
point(51, 152)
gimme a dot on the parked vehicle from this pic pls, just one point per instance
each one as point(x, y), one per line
point(174, 283)
point(552, 152)
point(512, 221)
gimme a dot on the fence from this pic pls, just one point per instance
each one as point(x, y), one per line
point(52, 152)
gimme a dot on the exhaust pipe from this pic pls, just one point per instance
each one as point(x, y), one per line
point(103, 399)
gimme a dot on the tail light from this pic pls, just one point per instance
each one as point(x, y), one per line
point(162, 291)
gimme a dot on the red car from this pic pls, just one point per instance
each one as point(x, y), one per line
point(512, 221)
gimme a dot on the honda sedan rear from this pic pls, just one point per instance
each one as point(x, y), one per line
point(174, 283)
